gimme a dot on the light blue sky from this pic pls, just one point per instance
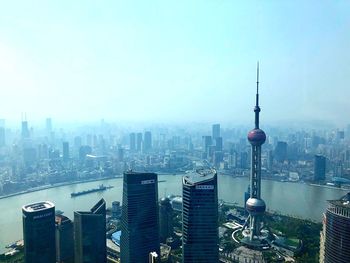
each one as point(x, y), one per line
point(175, 60)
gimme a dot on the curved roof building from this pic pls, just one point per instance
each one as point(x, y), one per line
point(39, 232)
point(336, 234)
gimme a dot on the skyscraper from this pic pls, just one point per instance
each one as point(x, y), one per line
point(335, 237)
point(140, 218)
point(65, 146)
point(319, 168)
point(39, 232)
point(25, 130)
point(90, 235)
point(215, 131)
point(139, 141)
point(64, 240)
point(255, 205)
point(165, 219)
point(218, 144)
point(207, 142)
point(132, 137)
point(281, 151)
point(200, 217)
point(147, 142)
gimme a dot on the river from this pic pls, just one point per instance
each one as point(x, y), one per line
point(295, 199)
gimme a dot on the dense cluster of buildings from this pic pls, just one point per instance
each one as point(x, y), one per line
point(144, 224)
point(33, 157)
point(55, 238)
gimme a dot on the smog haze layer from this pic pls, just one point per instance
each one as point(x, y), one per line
point(174, 61)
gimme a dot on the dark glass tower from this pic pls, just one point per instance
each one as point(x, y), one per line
point(200, 217)
point(165, 219)
point(319, 168)
point(39, 232)
point(255, 205)
point(140, 219)
point(64, 240)
point(90, 235)
point(336, 234)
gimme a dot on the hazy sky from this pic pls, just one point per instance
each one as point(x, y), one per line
point(175, 60)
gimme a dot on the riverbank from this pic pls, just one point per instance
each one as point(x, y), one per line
point(45, 187)
point(299, 200)
point(330, 187)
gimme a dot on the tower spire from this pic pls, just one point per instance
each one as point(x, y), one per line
point(257, 85)
point(257, 108)
point(255, 205)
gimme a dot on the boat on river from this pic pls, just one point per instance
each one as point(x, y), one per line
point(99, 189)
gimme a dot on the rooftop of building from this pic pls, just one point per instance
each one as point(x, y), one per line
point(39, 206)
point(131, 172)
point(199, 175)
point(342, 202)
point(61, 219)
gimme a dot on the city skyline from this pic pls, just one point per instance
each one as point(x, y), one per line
point(133, 120)
point(90, 61)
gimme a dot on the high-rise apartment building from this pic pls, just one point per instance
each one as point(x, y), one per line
point(335, 237)
point(39, 232)
point(64, 240)
point(140, 218)
point(200, 217)
point(90, 235)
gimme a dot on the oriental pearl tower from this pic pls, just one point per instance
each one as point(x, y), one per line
point(255, 205)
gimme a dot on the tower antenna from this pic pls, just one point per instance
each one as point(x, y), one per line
point(257, 108)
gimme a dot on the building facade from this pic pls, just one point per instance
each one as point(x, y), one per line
point(39, 232)
point(64, 240)
point(132, 141)
point(216, 131)
point(320, 168)
point(140, 218)
point(147, 142)
point(90, 235)
point(165, 219)
point(200, 217)
point(335, 237)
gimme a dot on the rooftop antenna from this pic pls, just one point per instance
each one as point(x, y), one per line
point(257, 108)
